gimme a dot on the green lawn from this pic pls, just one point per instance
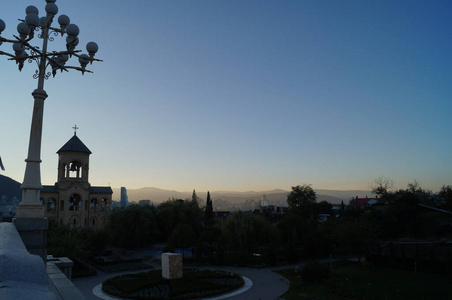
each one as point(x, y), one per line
point(355, 281)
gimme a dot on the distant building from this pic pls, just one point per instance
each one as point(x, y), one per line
point(144, 203)
point(222, 214)
point(323, 217)
point(264, 201)
point(124, 198)
point(72, 200)
point(273, 210)
point(366, 202)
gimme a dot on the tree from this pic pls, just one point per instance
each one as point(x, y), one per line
point(133, 226)
point(404, 213)
point(208, 212)
point(382, 186)
point(246, 232)
point(355, 233)
point(302, 199)
point(172, 212)
point(183, 237)
point(194, 197)
point(65, 241)
point(445, 194)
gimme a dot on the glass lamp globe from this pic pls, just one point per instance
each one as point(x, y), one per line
point(31, 10)
point(22, 28)
point(32, 19)
point(2, 25)
point(18, 47)
point(64, 57)
point(64, 20)
point(43, 21)
point(92, 47)
point(51, 9)
point(72, 40)
point(72, 30)
point(83, 59)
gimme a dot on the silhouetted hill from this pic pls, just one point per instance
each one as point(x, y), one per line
point(157, 195)
point(9, 187)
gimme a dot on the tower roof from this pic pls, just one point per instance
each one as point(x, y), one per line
point(74, 145)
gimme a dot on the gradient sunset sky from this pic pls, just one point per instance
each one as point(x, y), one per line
point(244, 95)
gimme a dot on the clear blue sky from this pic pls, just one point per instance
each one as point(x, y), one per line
point(244, 95)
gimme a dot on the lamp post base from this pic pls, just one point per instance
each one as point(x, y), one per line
point(33, 232)
point(29, 211)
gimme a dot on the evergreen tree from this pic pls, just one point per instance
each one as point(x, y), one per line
point(208, 213)
point(194, 197)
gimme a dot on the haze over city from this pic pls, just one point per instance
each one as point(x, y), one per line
point(244, 95)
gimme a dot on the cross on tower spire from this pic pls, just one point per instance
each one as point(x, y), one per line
point(75, 129)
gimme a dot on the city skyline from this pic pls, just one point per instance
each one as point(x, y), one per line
point(244, 95)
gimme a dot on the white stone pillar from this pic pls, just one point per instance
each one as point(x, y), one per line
point(172, 265)
point(30, 207)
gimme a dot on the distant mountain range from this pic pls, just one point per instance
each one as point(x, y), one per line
point(11, 188)
point(157, 195)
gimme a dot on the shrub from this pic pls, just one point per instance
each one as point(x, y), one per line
point(151, 285)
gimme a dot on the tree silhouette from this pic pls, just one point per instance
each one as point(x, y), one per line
point(208, 212)
point(302, 199)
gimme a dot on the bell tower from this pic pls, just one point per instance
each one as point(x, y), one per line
point(73, 162)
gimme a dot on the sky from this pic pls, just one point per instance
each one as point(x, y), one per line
point(243, 95)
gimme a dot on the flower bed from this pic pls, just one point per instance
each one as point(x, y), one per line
point(151, 285)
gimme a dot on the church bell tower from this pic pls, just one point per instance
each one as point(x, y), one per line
point(73, 162)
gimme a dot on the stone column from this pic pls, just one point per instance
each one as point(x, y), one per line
point(30, 221)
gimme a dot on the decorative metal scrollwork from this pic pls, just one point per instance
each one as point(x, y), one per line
point(34, 58)
point(51, 38)
point(46, 75)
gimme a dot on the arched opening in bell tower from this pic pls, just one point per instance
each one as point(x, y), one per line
point(74, 169)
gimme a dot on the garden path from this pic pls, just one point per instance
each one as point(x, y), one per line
point(263, 285)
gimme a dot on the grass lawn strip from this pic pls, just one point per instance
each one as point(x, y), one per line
point(355, 281)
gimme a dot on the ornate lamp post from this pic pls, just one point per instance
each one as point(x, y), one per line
point(48, 64)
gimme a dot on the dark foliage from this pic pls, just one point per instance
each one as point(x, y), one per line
point(133, 226)
point(315, 272)
point(302, 199)
point(151, 285)
point(208, 212)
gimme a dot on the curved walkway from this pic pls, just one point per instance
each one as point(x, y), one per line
point(263, 284)
point(97, 291)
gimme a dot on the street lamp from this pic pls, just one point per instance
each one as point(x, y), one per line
point(30, 207)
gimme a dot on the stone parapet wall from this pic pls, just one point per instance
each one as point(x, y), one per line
point(61, 286)
point(22, 275)
point(34, 235)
